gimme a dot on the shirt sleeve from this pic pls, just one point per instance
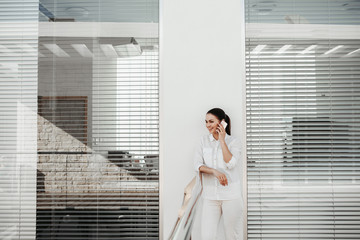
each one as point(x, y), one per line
point(198, 157)
point(235, 149)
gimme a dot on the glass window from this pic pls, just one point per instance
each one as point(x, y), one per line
point(302, 61)
point(80, 129)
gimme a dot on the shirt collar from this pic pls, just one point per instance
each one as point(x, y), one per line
point(211, 137)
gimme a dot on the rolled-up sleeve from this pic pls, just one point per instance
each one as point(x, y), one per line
point(198, 157)
point(235, 149)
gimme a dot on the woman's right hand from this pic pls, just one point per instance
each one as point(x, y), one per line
point(221, 177)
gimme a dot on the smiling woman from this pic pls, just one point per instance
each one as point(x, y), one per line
point(217, 158)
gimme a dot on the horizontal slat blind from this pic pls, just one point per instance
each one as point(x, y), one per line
point(303, 132)
point(345, 12)
point(18, 94)
point(79, 123)
point(98, 140)
point(303, 114)
point(101, 11)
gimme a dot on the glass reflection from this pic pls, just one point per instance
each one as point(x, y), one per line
point(98, 120)
point(302, 127)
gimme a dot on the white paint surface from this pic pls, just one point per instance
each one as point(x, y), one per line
point(97, 29)
point(201, 67)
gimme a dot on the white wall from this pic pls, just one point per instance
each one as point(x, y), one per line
point(201, 67)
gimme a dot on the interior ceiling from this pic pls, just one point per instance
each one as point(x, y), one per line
point(326, 50)
point(345, 12)
point(86, 48)
point(146, 11)
point(101, 10)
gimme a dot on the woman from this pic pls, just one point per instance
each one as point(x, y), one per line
point(218, 159)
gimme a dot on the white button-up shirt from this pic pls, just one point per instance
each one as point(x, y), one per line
point(209, 153)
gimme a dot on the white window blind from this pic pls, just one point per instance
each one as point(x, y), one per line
point(79, 120)
point(303, 111)
point(18, 96)
point(98, 140)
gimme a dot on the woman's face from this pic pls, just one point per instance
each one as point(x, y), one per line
point(211, 123)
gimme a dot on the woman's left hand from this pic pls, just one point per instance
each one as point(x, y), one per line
point(221, 131)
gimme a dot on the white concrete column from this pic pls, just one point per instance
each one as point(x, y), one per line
point(202, 65)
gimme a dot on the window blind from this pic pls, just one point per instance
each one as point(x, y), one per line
point(18, 93)
point(98, 139)
point(79, 123)
point(303, 101)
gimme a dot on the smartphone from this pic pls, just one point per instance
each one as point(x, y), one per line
point(224, 124)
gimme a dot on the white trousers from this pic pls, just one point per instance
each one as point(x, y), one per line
point(232, 213)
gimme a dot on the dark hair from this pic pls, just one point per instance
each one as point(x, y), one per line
point(220, 115)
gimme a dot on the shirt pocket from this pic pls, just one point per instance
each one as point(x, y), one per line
point(207, 153)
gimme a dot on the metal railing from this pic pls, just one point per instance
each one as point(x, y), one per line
point(186, 215)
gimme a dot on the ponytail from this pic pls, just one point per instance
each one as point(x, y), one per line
point(228, 127)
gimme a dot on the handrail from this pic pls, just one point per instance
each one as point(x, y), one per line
point(187, 212)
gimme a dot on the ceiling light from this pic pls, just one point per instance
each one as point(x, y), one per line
point(82, 49)
point(334, 49)
point(123, 47)
point(56, 50)
point(258, 49)
point(128, 50)
point(108, 50)
point(353, 52)
point(283, 49)
point(308, 49)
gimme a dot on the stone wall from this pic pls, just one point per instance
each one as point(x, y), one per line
point(70, 173)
